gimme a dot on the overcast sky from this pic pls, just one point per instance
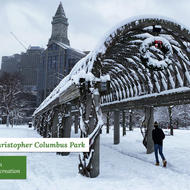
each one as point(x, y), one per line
point(30, 20)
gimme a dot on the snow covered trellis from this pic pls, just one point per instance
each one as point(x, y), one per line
point(141, 63)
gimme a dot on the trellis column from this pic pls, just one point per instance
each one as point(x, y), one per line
point(96, 155)
point(170, 120)
point(130, 120)
point(108, 122)
point(149, 120)
point(44, 134)
point(54, 124)
point(35, 123)
point(124, 123)
point(116, 127)
point(67, 125)
point(76, 123)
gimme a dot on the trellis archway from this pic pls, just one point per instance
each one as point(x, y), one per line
point(143, 62)
point(130, 74)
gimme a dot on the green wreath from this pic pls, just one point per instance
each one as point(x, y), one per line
point(156, 45)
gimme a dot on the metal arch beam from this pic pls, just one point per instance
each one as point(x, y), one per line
point(116, 76)
point(177, 38)
point(147, 87)
point(124, 83)
point(117, 84)
point(164, 24)
point(118, 87)
point(133, 81)
point(153, 83)
point(127, 71)
point(114, 92)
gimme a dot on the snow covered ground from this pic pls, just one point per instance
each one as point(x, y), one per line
point(123, 167)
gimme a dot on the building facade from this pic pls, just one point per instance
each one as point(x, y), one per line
point(59, 58)
point(10, 64)
point(29, 67)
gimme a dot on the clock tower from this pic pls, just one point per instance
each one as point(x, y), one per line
point(59, 27)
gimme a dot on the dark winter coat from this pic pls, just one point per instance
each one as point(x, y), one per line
point(158, 136)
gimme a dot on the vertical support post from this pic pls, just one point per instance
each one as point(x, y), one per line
point(35, 122)
point(170, 116)
point(149, 120)
point(116, 127)
point(96, 155)
point(130, 120)
point(44, 130)
point(123, 123)
point(91, 121)
point(96, 158)
point(67, 126)
point(108, 122)
point(54, 124)
point(76, 123)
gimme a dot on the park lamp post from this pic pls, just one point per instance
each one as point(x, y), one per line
point(170, 117)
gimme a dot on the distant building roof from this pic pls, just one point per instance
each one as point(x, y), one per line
point(64, 46)
point(35, 47)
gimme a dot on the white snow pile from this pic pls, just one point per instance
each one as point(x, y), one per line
point(125, 166)
point(84, 67)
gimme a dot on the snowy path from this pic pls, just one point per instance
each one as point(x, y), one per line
point(123, 167)
point(135, 165)
point(136, 156)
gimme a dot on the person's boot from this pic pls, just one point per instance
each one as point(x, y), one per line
point(157, 164)
point(164, 163)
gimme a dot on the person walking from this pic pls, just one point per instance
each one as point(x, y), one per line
point(158, 137)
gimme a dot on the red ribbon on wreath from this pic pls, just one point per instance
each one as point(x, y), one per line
point(158, 44)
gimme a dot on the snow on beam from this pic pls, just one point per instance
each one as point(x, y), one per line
point(174, 96)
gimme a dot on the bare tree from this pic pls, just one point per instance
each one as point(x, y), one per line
point(13, 100)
